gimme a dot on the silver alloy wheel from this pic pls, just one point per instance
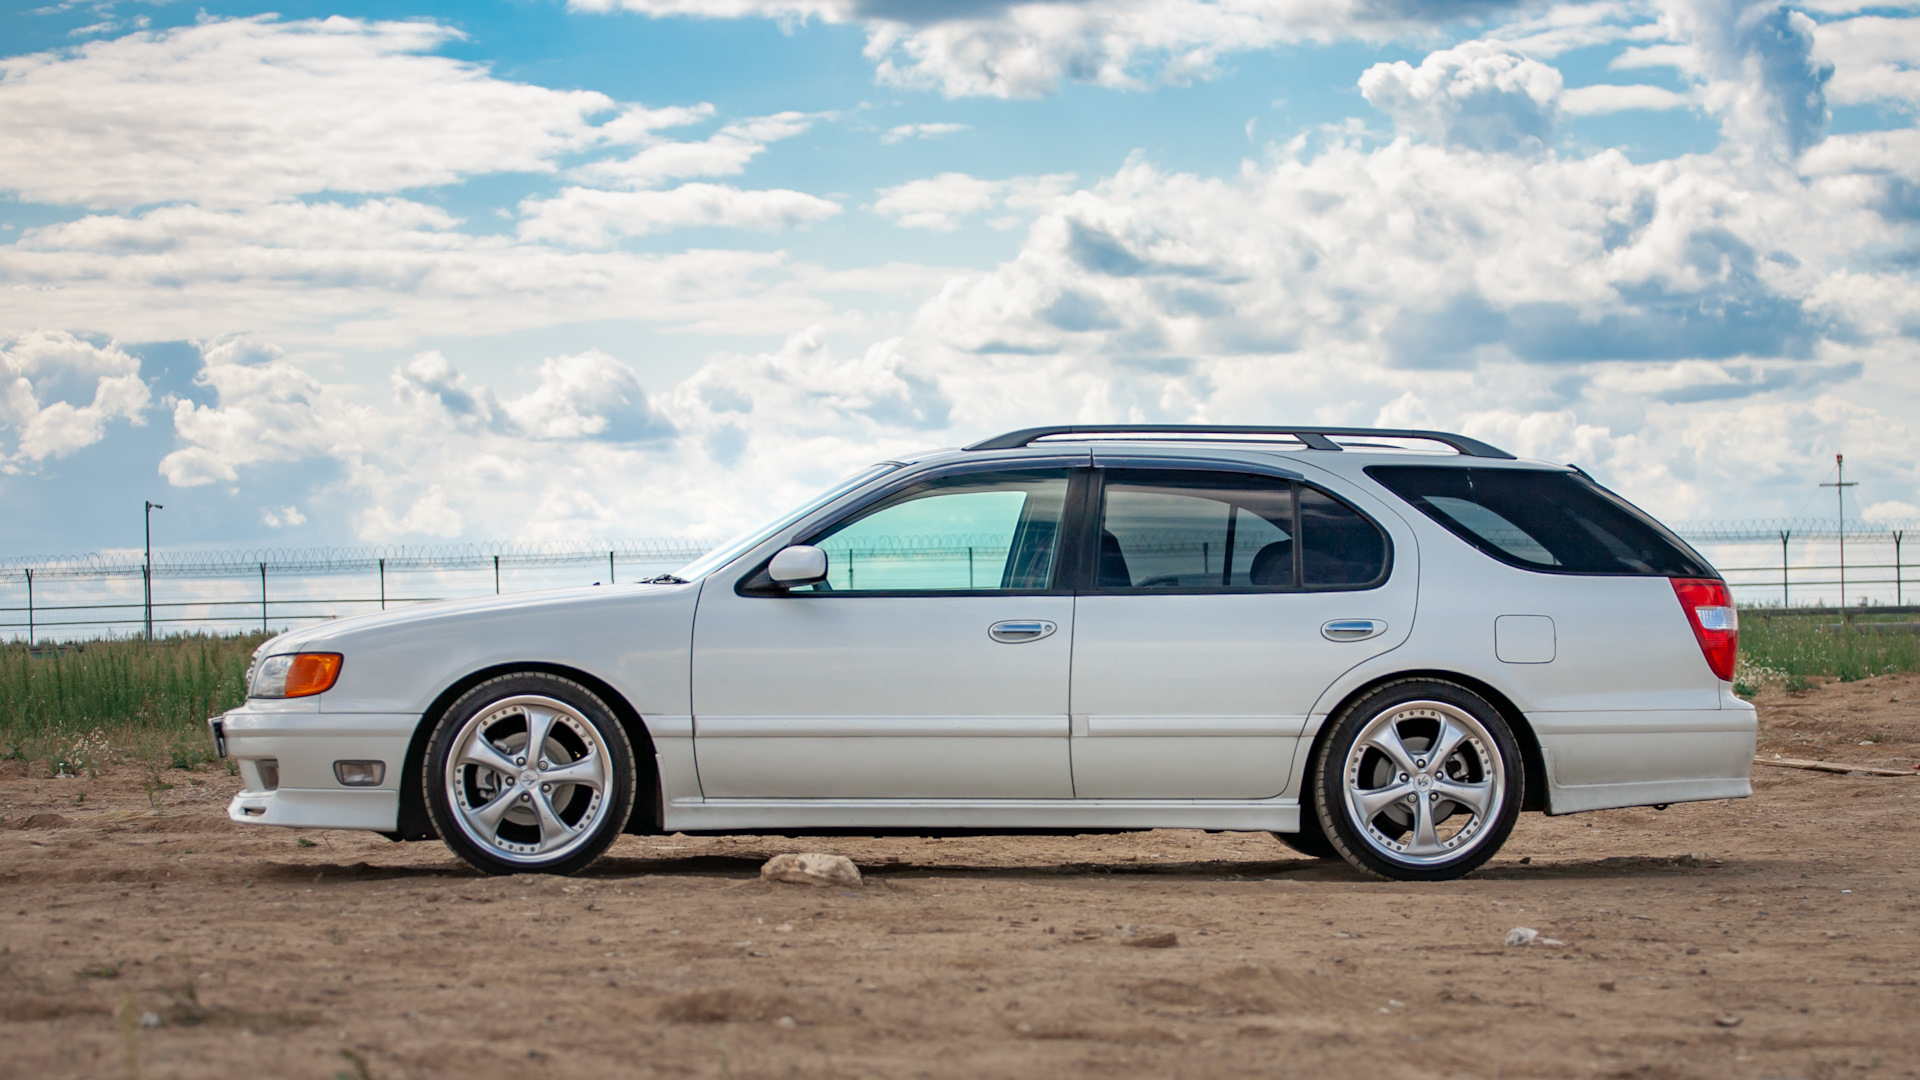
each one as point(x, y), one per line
point(1423, 782)
point(527, 779)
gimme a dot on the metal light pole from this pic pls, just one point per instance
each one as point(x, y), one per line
point(147, 571)
point(1840, 486)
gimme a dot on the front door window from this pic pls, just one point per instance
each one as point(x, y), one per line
point(974, 532)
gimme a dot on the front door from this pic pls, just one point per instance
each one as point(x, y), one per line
point(931, 664)
point(1223, 605)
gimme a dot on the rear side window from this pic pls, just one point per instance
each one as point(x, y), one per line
point(1556, 522)
point(1220, 531)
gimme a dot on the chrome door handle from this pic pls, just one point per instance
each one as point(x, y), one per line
point(1015, 631)
point(1353, 629)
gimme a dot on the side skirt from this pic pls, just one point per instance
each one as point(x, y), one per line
point(1091, 815)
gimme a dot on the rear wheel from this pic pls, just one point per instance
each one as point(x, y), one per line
point(1420, 780)
point(529, 773)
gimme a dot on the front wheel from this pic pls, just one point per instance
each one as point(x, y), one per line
point(529, 773)
point(1420, 780)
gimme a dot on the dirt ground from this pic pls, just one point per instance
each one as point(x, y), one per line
point(1768, 937)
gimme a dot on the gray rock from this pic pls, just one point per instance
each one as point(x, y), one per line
point(811, 868)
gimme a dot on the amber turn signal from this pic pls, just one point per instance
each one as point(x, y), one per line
point(295, 675)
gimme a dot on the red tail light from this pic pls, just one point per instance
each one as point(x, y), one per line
point(1715, 621)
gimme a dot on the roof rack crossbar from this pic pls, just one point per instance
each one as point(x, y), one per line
point(1315, 438)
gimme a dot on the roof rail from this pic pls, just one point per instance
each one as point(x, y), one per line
point(1315, 438)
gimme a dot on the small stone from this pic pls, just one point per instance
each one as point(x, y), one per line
point(811, 868)
point(786, 1022)
point(1609, 986)
point(1522, 935)
point(149, 1020)
point(1164, 940)
point(1728, 1021)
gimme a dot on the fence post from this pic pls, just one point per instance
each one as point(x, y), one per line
point(383, 584)
point(969, 567)
point(146, 590)
point(263, 598)
point(1785, 599)
point(609, 567)
point(1898, 592)
point(496, 575)
point(30, 605)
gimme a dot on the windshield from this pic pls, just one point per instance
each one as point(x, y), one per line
point(734, 548)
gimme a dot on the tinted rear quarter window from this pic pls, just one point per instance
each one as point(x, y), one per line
point(1550, 521)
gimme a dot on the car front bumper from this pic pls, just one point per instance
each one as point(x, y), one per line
point(286, 763)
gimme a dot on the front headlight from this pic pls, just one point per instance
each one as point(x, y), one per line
point(294, 675)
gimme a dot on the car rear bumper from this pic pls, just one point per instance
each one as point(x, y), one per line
point(286, 762)
point(1601, 760)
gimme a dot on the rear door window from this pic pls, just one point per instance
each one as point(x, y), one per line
point(1219, 531)
point(1338, 546)
point(1554, 522)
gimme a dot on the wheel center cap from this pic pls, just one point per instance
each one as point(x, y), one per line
point(529, 778)
point(1423, 781)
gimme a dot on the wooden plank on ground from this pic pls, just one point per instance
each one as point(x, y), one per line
point(1831, 766)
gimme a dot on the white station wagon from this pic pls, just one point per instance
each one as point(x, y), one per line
point(1380, 645)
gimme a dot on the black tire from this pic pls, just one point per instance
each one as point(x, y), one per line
point(1311, 840)
point(1485, 762)
point(571, 824)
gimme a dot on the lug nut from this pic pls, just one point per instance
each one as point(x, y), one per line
point(546, 788)
point(519, 761)
point(526, 798)
point(1420, 763)
point(545, 764)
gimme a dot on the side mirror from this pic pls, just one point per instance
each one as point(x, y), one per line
point(800, 564)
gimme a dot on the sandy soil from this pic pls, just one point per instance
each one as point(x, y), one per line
point(1768, 937)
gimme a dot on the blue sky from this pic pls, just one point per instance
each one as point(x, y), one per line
point(332, 274)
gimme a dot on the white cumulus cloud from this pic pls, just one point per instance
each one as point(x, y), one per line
point(1017, 49)
point(940, 202)
point(589, 217)
point(903, 132)
point(1477, 95)
point(239, 110)
point(59, 391)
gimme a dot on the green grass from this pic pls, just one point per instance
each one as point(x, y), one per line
point(88, 703)
point(1790, 649)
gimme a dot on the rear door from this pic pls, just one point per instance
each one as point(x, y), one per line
point(1222, 604)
